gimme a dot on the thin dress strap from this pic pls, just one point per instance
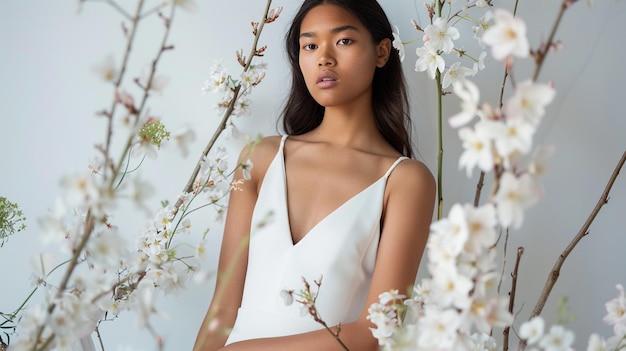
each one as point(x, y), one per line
point(282, 143)
point(400, 159)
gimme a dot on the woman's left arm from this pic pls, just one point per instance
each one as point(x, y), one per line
point(409, 202)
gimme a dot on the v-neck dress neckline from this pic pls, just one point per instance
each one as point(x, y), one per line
point(341, 248)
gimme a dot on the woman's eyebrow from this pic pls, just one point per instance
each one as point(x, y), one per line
point(333, 31)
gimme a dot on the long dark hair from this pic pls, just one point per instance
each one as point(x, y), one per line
point(389, 96)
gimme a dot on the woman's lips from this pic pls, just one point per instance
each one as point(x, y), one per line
point(327, 79)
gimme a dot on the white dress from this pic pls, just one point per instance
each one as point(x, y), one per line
point(341, 248)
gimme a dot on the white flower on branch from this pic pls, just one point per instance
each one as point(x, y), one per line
point(429, 60)
point(81, 190)
point(183, 138)
point(616, 308)
point(439, 36)
point(397, 43)
point(452, 232)
point(597, 343)
point(218, 79)
point(532, 330)
point(453, 289)
point(42, 264)
point(231, 131)
point(507, 36)
point(469, 94)
point(482, 3)
point(513, 197)
point(187, 5)
point(107, 69)
point(246, 168)
point(455, 73)
point(106, 248)
point(477, 147)
point(557, 339)
point(529, 101)
point(157, 83)
point(438, 328)
point(481, 223)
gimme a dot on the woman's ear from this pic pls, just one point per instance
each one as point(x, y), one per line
point(383, 49)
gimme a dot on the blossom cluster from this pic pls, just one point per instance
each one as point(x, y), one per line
point(106, 273)
point(458, 305)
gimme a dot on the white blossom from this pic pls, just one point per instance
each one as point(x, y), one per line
point(439, 35)
point(455, 73)
point(469, 94)
point(557, 339)
point(532, 330)
point(397, 43)
point(438, 328)
point(513, 197)
point(616, 308)
point(529, 101)
point(507, 36)
point(477, 147)
point(596, 343)
point(183, 138)
point(429, 60)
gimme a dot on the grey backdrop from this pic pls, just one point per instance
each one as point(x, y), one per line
point(49, 98)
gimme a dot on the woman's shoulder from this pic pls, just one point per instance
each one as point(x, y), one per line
point(411, 174)
point(260, 152)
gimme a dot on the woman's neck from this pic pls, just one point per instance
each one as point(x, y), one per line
point(348, 127)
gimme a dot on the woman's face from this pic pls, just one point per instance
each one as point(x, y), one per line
point(338, 56)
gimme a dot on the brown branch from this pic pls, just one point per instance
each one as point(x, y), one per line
point(111, 112)
point(520, 252)
point(479, 188)
point(146, 92)
point(584, 230)
point(540, 55)
point(225, 118)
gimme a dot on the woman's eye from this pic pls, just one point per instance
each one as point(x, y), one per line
point(309, 46)
point(345, 41)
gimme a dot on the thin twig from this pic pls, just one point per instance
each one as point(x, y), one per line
point(146, 91)
point(111, 112)
point(231, 107)
point(520, 252)
point(584, 230)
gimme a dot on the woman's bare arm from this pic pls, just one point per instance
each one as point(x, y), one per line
point(222, 312)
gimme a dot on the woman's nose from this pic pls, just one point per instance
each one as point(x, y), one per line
point(326, 58)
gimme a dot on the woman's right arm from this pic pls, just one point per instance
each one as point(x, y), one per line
point(233, 260)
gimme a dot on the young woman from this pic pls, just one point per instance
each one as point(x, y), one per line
point(336, 197)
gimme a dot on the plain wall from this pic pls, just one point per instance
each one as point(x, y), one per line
point(49, 97)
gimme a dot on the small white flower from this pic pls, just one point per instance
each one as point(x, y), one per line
point(287, 296)
point(557, 339)
point(529, 101)
point(439, 328)
point(596, 343)
point(397, 43)
point(470, 96)
point(513, 196)
point(429, 60)
point(616, 308)
point(507, 36)
point(157, 83)
point(183, 138)
point(107, 69)
point(81, 190)
point(187, 5)
point(481, 222)
point(246, 168)
point(454, 74)
point(478, 147)
point(532, 330)
point(439, 35)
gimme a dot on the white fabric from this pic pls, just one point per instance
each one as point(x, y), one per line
point(341, 248)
